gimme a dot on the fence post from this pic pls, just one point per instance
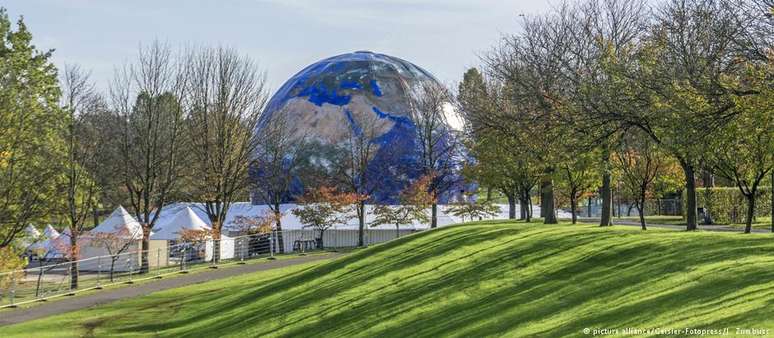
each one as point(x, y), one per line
point(13, 289)
point(99, 274)
point(131, 270)
point(182, 262)
point(41, 274)
point(69, 280)
point(271, 244)
point(242, 249)
point(158, 263)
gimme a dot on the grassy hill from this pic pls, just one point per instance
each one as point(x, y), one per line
point(473, 280)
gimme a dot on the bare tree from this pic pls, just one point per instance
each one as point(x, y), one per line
point(115, 243)
point(357, 150)
point(438, 145)
point(145, 98)
point(529, 66)
point(223, 100)
point(78, 187)
point(275, 166)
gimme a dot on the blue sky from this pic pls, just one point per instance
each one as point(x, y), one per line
point(444, 37)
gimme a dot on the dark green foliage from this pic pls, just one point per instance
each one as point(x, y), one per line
point(728, 205)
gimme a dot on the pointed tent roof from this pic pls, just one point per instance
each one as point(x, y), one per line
point(185, 219)
point(50, 232)
point(31, 231)
point(119, 221)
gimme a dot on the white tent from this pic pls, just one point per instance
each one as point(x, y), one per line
point(172, 228)
point(31, 231)
point(119, 222)
point(50, 233)
point(126, 235)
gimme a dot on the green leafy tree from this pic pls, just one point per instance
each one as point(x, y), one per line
point(473, 208)
point(640, 162)
point(744, 151)
point(577, 175)
point(680, 73)
point(30, 130)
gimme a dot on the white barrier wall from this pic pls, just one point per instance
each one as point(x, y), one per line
point(226, 248)
point(339, 238)
point(95, 257)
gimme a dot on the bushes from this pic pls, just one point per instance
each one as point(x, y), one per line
point(727, 204)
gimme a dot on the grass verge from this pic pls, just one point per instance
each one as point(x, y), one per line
point(480, 279)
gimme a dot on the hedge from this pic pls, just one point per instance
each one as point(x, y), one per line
point(728, 205)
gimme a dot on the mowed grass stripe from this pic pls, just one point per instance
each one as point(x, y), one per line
point(481, 279)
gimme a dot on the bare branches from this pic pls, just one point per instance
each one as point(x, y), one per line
point(146, 101)
point(223, 98)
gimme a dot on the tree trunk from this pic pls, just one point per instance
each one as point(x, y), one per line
point(488, 194)
point(606, 219)
point(588, 207)
point(750, 211)
point(361, 224)
point(73, 260)
point(771, 183)
point(95, 215)
point(709, 182)
point(529, 208)
point(397, 230)
point(658, 206)
point(215, 242)
point(511, 206)
point(522, 208)
point(113, 266)
point(641, 209)
point(320, 244)
point(547, 187)
point(434, 218)
point(618, 199)
point(145, 247)
point(690, 195)
point(278, 216)
point(574, 208)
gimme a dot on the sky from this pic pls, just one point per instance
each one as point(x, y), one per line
point(284, 36)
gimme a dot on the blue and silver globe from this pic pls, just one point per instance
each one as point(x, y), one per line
point(330, 99)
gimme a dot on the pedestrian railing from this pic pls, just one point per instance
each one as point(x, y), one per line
point(46, 278)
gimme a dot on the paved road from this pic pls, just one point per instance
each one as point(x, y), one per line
point(106, 296)
point(718, 228)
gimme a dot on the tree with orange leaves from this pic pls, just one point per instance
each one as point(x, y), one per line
point(640, 163)
point(414, 201)
point(115, 243)
point(324, 207)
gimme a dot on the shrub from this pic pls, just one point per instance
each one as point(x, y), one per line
point(728, 205)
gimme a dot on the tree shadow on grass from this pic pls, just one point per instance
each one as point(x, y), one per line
point(569, 278)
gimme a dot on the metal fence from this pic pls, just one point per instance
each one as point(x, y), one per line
point(44, 279)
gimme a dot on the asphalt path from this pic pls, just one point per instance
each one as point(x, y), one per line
point(63, 305)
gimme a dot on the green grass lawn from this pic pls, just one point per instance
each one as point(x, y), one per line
point(482, 279)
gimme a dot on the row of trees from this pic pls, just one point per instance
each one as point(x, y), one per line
point(172, 126)
point(181, 125)
point(604, 88)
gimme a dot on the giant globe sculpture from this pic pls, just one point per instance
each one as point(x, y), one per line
point(332, 98)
